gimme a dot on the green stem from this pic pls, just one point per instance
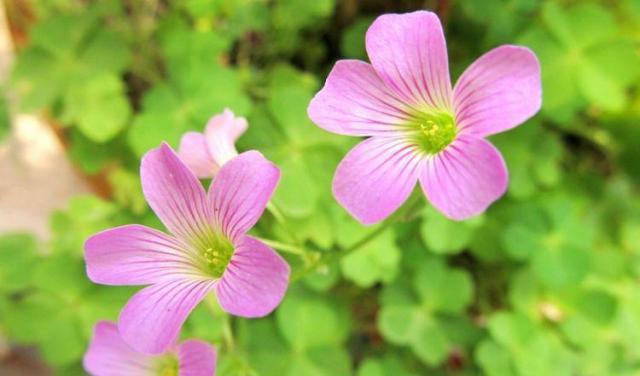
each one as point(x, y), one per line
point(276, 212)
point(282, 220)
point(227, 331)
point(283, 246)
point(415, 202)
point(227, 335)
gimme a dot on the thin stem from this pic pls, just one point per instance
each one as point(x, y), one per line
point(284, 247)
point(415, 201)
point(227, 331)
point(276, 212)
point(227, 335)
point(282, 220)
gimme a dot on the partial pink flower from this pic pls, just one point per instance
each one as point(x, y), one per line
point(208, 251)
point(420, 128)
point(109, 355)
point(205, 153)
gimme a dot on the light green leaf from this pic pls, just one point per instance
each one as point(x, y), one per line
point(84, 216)
point(524, 237)
point(127, 190)
point(99, 107)
point(445, 236)
point(387, 366)
point(431, 343)
point(107, 52)
point(398, 323)
point(512, 330)
point(297, 192)
point(17, 258)
point(561, 267)
point(307, 322)
point(376, 261)
point(443, 289)
point(600, 89)
point(150, 129)
point(64, 342)
point(493, 359)
point(598, 306)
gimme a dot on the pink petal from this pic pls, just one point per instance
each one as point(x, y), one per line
point(255, 280)
point(150, 322)
point(240, 192)
point(465, 178)
point(109, 355)
point(354, 101)
point(137, 255)
point(221, 133)
point(175, 194)
point(194, 153)
point(498, 91)
point(409, 53)
point(376, 177)
point(197, 358)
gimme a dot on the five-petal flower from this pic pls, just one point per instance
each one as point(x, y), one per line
point(209, 249)
point(205, 153)
point(109, 355)
point(419, 127)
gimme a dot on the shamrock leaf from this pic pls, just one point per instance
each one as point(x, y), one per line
point(419, 322)
point(585, 59)
point(532, 350)
point(185, 102)
point(443, 236)
point(98, 107)
point(304, 344)
point(556, 236)
point(502, 18)
point(17, 258)
point(377, 261)
point(60, 313)
point(84, 216)
point(533, 157)
point(386, 366)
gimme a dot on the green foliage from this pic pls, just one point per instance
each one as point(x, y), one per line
point(306, 338)
point(47, 300)
point(184, 103)
point(543, 283)
point(72, 66)
point(588, 59)
point(417, 313)
point(377, 261)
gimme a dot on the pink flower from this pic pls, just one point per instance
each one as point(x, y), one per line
point(209, 250)
point(419, 127)
point(205, 153)
point(109, 355)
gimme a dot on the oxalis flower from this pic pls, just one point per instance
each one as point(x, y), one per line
point(109, 355)
point(419, 127)
point(205, 153)
point(208, 252)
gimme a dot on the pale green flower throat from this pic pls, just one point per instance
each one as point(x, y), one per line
point(432, 132)
point(216, 255)
point(167, 366)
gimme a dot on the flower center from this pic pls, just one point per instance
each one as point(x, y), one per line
point(167, 366)
point(216, 255)
point(433, 131)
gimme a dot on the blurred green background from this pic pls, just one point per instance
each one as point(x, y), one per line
point(546, 282)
